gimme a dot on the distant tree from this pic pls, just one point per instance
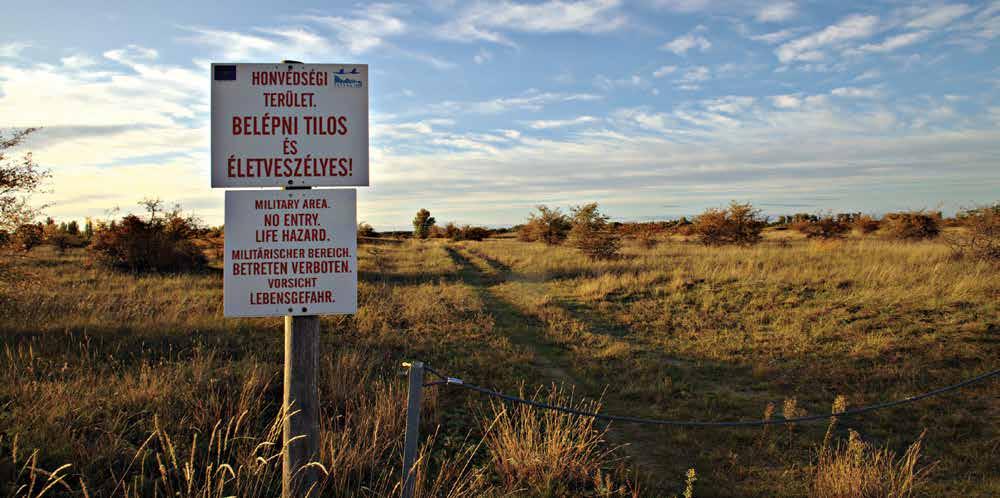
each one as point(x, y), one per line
point(153, 205)
point(548, 225)
point(452, 232)
point(365, 230)
point(57, 236)
point(73, 228)
point(19, 179)
point(422, 224)
point(591, 232)
point(88, 229)
point(738, 224)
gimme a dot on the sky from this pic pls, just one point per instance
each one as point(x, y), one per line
point(480, 110)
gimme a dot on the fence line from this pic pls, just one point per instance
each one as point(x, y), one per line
point(457, 382)
point(416, 384)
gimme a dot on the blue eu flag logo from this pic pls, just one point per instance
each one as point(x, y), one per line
point(225, 72)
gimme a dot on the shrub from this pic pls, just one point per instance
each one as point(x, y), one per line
point(161, 244)
point(592, 234)
point(548, 225)
point(647, 236)
point(826, 227)
point(912, 225)
point(866, 224)
point(56, 237)
point(452, 232)
point(422, 224)
point(738, 224)
point(366, 230)
point(474, 233)
point(979, 234)
point(28, 236)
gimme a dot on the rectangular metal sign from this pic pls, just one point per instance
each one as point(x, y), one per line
point(279, 125)
point(291, 252)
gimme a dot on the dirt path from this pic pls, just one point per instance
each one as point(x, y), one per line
point(644, 445)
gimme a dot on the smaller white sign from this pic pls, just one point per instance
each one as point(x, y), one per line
point(291, 252)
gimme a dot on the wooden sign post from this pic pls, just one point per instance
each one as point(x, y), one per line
point(301, 406)
point(292, 252)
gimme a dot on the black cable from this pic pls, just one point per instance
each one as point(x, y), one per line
point(431, 370)
point(695, 423)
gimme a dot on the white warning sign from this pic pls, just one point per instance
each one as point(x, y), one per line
point(291, 252)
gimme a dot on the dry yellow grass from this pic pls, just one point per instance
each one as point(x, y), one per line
point(100, 367)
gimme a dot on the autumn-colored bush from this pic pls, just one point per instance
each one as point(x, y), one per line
point(978, 236)
point(826, 227)
point(912, 225)
point(366, 230)
point(866, 224)
point(160, 244)
point(474, 233)
point(647, 236)
point(592, 234)
point(738, 224)
point(548, 225)
point(28, 236)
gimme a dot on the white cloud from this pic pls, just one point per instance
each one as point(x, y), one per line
point(776, 12)
point(700, 73)
point(487, 21)
point(78, 61)
point(855, 92)
point(895, 42)
point(939, 16)
point(532, 100)
point(240, 46)
point(410, 130)
point(366, 29)
point(544, 124)
point(682, 44)
point(132, 53)
point(482, 57)
point(810, 47)
point(786, 101)
point(774, 37)
point(605, 83)
point(732, 104)
point(663, 71)
point(869, 74)
point(12, 49)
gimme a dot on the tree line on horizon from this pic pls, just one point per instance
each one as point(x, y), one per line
point(165, 241)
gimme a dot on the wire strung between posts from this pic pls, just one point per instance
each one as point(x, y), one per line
point(453, 381)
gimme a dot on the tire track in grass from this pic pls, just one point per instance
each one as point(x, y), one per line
point(646, 447)
point(520, 328)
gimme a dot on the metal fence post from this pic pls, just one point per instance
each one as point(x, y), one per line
point(412, 443)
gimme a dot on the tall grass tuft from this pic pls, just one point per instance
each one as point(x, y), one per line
point(548, 452)
point(856, 469)
point(20, 476)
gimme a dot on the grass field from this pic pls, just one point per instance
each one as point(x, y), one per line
point(121, 376)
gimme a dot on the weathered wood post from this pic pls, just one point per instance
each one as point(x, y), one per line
point(301, 406)
point(411, 445)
